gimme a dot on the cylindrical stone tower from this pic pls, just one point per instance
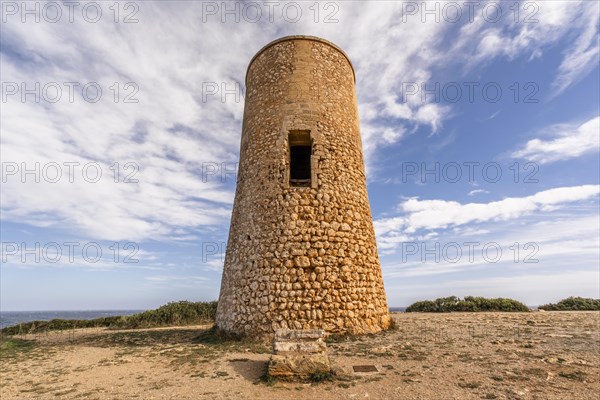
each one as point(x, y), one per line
point(301, 251)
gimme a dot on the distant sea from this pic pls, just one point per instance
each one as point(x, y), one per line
point(9, 318)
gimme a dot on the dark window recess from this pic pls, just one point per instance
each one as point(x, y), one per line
point(300, 165)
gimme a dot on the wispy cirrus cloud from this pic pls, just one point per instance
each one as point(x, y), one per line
point(477, 191)
point(553, 240)
point(431, 215)
point(531, 32)
point(535, 261)
point(436, 214)
point(172, 131)
point(387, 116)
point(582, 57)
point(567, 141)
point(168, 133)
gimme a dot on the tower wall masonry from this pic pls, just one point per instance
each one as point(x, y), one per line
point(301, 257)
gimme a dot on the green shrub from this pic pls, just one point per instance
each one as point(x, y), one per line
point(317, 377)
point(573, 304)
point(175, 313)
point(469, 304)
point(171, 314)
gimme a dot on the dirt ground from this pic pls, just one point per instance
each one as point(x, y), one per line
point(537, 355)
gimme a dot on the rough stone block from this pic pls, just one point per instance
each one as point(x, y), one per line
point(299, 347)
point(298, 354)
point(298, 366)
point(296, 335)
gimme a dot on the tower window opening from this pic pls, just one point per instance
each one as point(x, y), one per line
point(300, 155)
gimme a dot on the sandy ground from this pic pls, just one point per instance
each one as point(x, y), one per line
point(538, 355)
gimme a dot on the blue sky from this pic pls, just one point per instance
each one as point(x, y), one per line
point(492, 190)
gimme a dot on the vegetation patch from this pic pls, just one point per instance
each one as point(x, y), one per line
point(179, 313)
point(468, 304)
point(265, 378)
point(575, 376)
point(11, 347)
point(469, 385)
point(217, 339)
point(317, 377)
point(573, 304)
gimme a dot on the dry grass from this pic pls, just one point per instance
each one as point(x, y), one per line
point(452, 356)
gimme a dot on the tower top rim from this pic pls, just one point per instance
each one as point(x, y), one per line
point(300, 37)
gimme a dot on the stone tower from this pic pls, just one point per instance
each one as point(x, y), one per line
point(301, 252)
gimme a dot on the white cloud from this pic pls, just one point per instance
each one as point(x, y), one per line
point(171, 131)
point(570, 141)
point(393, 135)
point(382, 65)
point(169, 134)
point(432, 215)
point(539, 26)
point(560, 247)
point(582, 56)
point(477, 191)
point(561, 250)
point(90, 256)
point(437, 214)
point(542, 244)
